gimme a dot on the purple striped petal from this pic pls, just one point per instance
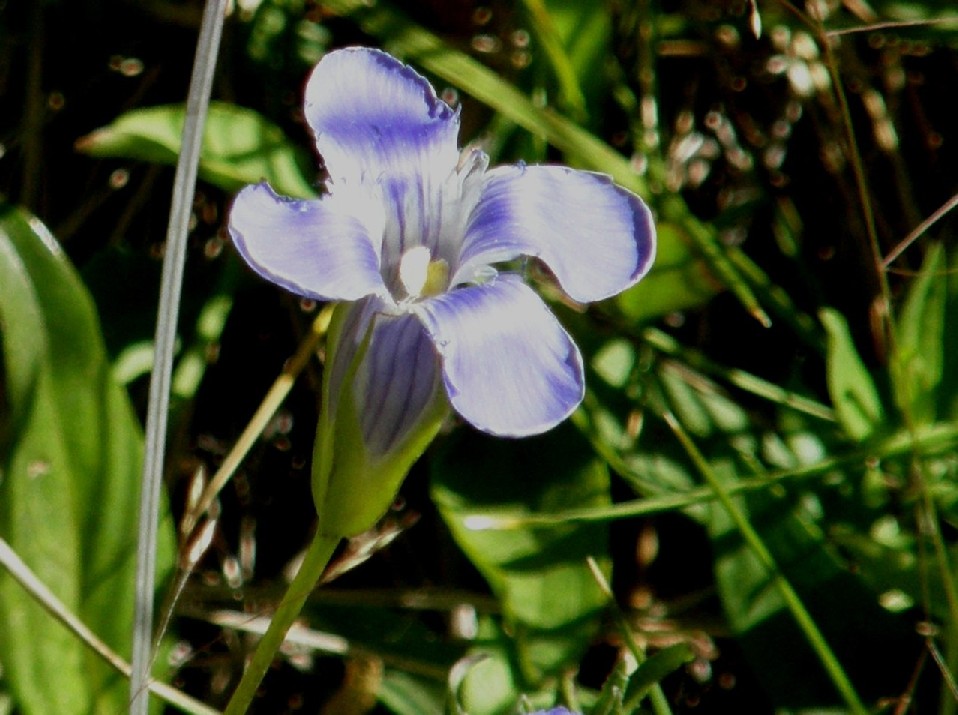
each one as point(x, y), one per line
point(509, 368)
point(316, 248)
point(399, 381)
point(596, 237)
point(373, 116)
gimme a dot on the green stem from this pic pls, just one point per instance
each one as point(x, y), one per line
point(665, 343)
point(317, 556)
point(792, 600)
point(948, 704)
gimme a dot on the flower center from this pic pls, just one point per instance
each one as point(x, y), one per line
point(421, 276)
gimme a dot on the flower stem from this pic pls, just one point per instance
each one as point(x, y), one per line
point(317, 556)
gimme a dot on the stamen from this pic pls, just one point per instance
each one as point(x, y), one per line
point(414, 270)
point(420, 276)
point(437, 278)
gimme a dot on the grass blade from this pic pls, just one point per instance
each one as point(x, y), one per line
point(201, 84)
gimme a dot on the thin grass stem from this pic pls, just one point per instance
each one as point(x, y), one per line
point(665, 343)
point(792, 600)
point(201, 84)
point(660, 704)
point(260, 419)
point(941, 437)
point(919, 230)
point(22, 574)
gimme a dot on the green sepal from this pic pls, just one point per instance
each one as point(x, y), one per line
point(353, 488)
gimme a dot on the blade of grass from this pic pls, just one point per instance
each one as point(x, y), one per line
point(201, 84)
point(660, 704)
point(753, 384)
point(804, 620)
point(919, 230)
point(570, 93)
point(22, 574)
point(940, 438)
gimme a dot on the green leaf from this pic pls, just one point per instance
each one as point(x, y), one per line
point(585, 30)
point(239, 146)
point(406, 694)
point(655, 669)
point(549, 597)
point(853, 393)
point(679, 279)
point(70, 454)
point(871, 644)
point(484, 682)
point(553, 44)
point(919, 363)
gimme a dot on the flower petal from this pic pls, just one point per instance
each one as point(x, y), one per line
point(399, 381)
point(509, 367)
point(597, 238)
point(383, 403)
point(317, 248)
point(373, 116)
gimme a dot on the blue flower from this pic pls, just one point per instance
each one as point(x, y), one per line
point(410, 232)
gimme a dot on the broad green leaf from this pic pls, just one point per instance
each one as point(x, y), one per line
point(857, 405)
point(485, 682)
point(70, 453)
point(549, 598)
point(921, 330)
point(239, 146)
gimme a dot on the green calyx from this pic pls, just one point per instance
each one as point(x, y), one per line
point(352, 487)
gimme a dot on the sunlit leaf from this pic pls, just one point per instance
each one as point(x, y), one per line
point(485, 682)
point(921, 330)
point(553, 38)
point(549, 597)
point(239, 146)
point(857, 405)
point(679, 280)
point(656, 668)
point(69, 479)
